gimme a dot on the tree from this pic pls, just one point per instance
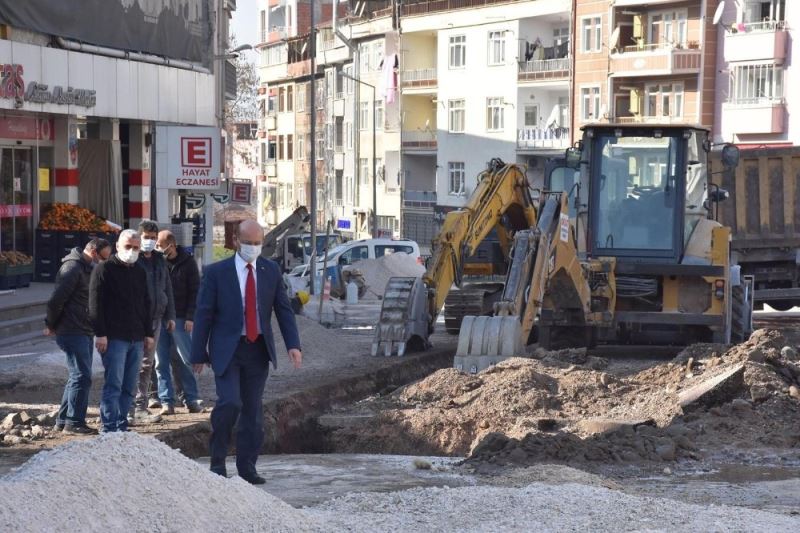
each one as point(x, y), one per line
point(243, 108)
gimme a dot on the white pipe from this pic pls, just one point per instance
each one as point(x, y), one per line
point(131, 56)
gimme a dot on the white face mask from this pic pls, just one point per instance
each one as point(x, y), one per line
point(128, 256)
point(249, 252)
point(148, 245)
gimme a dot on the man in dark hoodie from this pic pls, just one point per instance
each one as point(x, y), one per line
point(119, 308)
point(162, 309)
point(185, 277)
point(68, 319)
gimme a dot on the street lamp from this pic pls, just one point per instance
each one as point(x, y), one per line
point(374, 173)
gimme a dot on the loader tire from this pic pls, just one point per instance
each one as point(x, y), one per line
point(741, 314)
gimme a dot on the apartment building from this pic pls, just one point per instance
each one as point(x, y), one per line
point(479, 80)
point(660, 68)
point(754, 72)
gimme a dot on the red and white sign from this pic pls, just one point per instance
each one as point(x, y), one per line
point(241, 192)
point(20, 210)
point(26, 129)
point(188, 158)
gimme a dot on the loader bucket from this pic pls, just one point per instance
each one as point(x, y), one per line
point(486, 340)
point(403, 321)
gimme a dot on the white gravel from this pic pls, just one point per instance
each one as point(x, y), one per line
point(537, 507)
point(126, 482)
point(377, 272)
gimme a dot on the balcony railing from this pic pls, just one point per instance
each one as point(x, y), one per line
point(762, 25)
point(757, 100)
point(423, 7)
point(421, 77)
point(419, 198)
point(419, 140)
point(533, 138)
point(276, 34)
point(544, 69)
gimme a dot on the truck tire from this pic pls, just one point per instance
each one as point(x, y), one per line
point(741, 313)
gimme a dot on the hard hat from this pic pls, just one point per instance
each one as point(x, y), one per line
point(303, 297)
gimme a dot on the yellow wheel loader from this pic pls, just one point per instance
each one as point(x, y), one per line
point(626, 252)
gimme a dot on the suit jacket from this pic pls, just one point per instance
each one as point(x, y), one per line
point(219, 317)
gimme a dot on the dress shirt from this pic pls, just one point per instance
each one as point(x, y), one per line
point(241, 271)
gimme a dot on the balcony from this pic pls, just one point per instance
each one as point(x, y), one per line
point(269, 168)
point(421, 78)
point(544, 70)
point(277, 33)
point(338, 158)
point(757, 41)
point(754, 116)
point(419, 141)
point(542, 138)
point(659, 59)
point(419, 199)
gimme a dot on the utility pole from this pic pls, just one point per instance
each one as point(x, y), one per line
point(312, 49)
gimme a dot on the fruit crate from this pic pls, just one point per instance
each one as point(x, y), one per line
point(15, 276)
point(46, 269)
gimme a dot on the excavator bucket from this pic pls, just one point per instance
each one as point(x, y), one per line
point(403, 321)
point(486, 340)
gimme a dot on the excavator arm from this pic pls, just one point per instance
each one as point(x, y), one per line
point(501, 200)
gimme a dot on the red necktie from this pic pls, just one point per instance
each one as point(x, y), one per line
point(251, 321)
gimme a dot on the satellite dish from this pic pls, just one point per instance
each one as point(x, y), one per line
point(718, 12)
point(614, 40)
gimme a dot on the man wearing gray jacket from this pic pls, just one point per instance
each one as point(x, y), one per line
point(159, 288)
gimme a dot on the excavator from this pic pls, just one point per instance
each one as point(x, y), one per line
point(625, 249)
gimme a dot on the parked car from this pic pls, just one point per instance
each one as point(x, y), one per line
point(352, 252)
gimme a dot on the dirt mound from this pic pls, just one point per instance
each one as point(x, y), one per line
point(377, 272)
point(567, 406)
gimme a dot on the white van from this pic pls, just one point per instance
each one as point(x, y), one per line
point(352, 252)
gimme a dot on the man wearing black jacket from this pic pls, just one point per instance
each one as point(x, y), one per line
point(68, 319)
point(185, 277)
point(119, 308)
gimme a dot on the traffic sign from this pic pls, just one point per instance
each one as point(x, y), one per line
point(195, 201)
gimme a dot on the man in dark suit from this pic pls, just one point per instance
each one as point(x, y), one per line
point(233, 333)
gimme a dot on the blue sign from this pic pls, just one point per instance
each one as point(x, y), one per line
point(343, 223)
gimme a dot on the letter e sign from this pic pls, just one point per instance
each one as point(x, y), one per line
point(196, 152)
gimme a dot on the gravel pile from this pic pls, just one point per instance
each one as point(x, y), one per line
point(126, 482)
point(537, 507)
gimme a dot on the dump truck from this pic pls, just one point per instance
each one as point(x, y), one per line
point(763, 212)
point(626, 251)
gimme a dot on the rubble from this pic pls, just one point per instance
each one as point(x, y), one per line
point(558, 407)
point(377, 272)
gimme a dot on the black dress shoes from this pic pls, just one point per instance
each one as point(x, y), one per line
point(253, 479)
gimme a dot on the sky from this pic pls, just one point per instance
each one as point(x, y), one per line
point(244, 24)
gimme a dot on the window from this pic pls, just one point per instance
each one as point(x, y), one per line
point(379, 114)
point(455, 122)
point(348, 132)
point(320, 145)
point(348, 70)
point(560, 36)
point(290, 147)
point(338, 193)
point(497, 47)
point(301, 147)
point(456, 175)
point(329, 83)
point(591, 33)
point(339, 127)
point(365, 58)
point(390, 223)
point(363, 170)
point(363, 115)
point(764, 12)
point(494, 114)
point(302, 91)
point(590, 103)
point(354, 255)
point(281, 99)
point(379, 170)
point(339, 83)
point(752, 84)
point(377, 55)
point(289, 98)
point(329, 136)
point(281, 148)
point(531, 116)
point(458, 51)
point(668, 28)
point(665, 100)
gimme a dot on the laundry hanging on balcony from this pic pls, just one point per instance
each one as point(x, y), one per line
point(554, 119)
point(389, 67)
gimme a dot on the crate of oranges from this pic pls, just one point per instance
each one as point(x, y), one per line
point(69, 217)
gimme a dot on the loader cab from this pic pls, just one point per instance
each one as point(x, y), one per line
point(646, 189)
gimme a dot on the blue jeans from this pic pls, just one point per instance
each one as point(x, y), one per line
point(121, 362)
point(79, 351)
point(182, 342)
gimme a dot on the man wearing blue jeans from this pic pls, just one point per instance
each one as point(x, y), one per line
point(68, 319)
point(119, 307)
point(185, 278)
